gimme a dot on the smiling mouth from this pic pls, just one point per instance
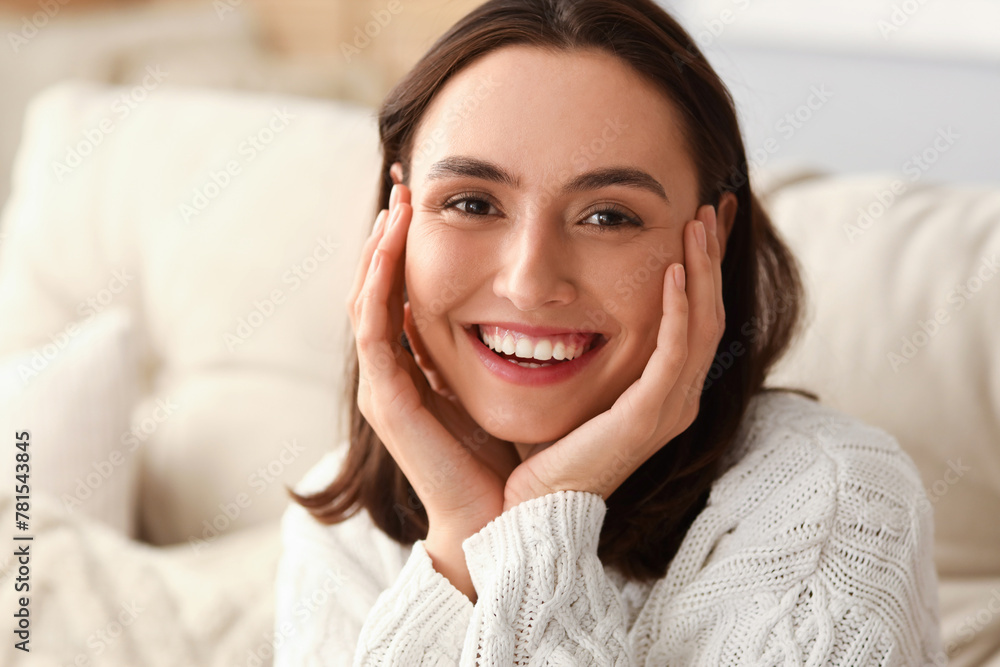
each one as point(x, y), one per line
point(538, 352)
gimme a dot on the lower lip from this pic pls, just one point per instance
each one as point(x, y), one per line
point(533, 377)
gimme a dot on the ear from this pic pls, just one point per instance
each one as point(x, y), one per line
point(725, 215)
point(396, 171)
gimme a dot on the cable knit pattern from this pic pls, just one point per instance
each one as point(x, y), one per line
point(543, 596)
point(815, 548)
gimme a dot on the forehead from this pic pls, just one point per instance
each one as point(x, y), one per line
point(536, 110)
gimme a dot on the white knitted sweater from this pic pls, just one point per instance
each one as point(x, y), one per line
point(815, 548)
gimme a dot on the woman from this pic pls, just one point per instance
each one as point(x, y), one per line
point(561, 451)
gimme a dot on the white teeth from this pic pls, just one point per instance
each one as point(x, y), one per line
point(543, 350)
point(507, 346)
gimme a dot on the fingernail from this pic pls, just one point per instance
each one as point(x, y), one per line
point(380, 221)
point(699, 233)
point(393, 195)
point(679, 276)
point(396, 212)
point(712, 220)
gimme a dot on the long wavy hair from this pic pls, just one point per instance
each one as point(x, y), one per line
point(649, 514)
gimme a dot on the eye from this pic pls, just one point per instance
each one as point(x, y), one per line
point(612, 216)
point(475, 205)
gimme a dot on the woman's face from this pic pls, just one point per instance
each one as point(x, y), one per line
point(549, 190)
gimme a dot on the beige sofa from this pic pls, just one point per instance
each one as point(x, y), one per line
point(172, 333)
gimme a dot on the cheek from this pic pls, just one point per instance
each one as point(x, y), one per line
point(632, 286)
point(438, 272)
point(646, 313)
point(633, 295)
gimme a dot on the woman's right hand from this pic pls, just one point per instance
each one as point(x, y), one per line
point(422, 429)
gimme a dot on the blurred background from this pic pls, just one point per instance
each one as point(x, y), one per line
point(306, 47)
point(893, 73)
point(852, 111)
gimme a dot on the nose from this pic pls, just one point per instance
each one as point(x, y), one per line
point(536, 265)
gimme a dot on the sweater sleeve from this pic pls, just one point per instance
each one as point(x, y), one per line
point(420, 620)
point(543, 595)
point(541, 592)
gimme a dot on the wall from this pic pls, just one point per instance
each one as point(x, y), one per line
point(908, 86)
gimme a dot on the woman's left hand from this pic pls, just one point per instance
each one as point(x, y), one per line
point(601, 453)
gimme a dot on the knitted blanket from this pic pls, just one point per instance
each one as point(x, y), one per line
point(96, 598)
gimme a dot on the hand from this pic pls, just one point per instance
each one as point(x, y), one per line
point(423, 428)
point(600, 454)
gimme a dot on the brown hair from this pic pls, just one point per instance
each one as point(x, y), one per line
point(648, 515)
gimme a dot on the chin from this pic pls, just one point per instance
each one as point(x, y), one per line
point(505, 424)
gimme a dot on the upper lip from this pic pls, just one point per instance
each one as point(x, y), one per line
point(535, 330)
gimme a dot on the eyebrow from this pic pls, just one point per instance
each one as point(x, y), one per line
point(460, 165)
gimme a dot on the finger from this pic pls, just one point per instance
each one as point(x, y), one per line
point(399, 195)
point(667, 363)
point(703, 325)
point(403, 193)
point(373, 331)
point(710, 218)
point(398, 192)
point(393, 196)
point(363, 263)
point(398, 234)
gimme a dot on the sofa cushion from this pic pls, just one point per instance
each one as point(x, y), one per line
point(75, 394)
point(230, 224)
